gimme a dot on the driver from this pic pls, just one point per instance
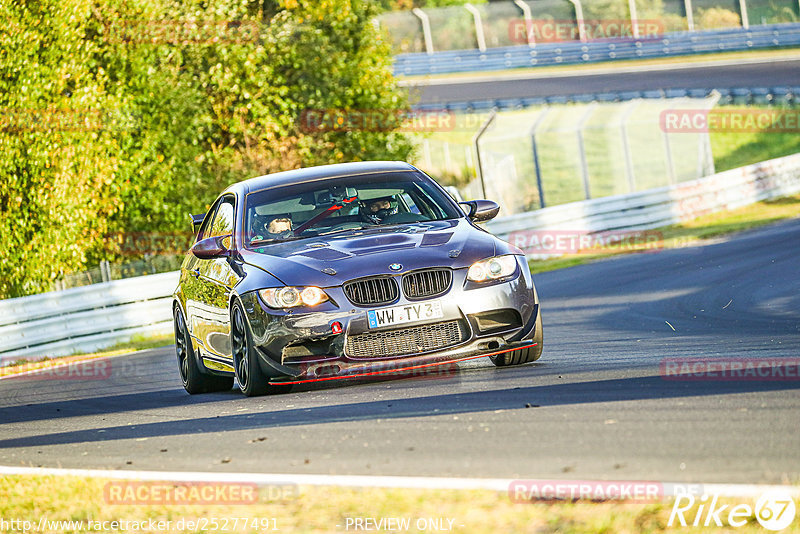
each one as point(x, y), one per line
point(378, 209)
point(278, 228)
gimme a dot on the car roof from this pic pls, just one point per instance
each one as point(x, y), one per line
point(308, 174)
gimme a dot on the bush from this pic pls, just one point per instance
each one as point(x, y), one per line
point(717, 18)
point(127, 119)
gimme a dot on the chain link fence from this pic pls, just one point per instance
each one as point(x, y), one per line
point(499, 24)
point(556, 154)
point(108, 271)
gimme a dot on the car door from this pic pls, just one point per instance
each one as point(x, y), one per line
point(195, 288)
point(218, 279)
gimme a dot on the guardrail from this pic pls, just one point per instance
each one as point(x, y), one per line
point(576, 52)
point(779, 95)
point(660, 207)
point(85, 319)
point(89, 318)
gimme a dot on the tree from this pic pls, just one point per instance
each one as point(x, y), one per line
point(186, 99)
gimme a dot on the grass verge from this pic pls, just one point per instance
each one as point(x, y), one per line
point(705, 227)
point(737, 149)
point(333, 509)
point(137, 342)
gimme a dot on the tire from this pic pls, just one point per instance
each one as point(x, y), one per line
point(194, 380)
point(518, 357)
point(252, 381)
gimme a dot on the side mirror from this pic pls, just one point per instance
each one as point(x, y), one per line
point(212, 247)
point(481, 210)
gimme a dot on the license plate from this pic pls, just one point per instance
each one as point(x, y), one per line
point(404, 314)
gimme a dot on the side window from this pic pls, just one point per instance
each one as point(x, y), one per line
point(206, 226)
point(412, 206)
point(223, 219)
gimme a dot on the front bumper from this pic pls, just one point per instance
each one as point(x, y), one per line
point(298, 346)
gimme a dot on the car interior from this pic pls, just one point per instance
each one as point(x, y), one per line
point(341, 208)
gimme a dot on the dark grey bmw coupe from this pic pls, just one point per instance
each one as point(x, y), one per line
point(349, 270)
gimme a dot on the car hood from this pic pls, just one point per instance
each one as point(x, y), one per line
point(327, 261)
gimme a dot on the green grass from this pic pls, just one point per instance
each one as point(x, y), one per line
point(140, 342)
point(706, 227)
point(327, 509)
point(732, 149)
point(137, 342)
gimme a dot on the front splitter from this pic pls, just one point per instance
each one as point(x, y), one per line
point(363, 370)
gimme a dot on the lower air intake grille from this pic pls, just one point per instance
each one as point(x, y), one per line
point(372, 291)
point(426, 284)
point(410, 340)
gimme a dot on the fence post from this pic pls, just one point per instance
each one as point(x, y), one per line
point(476, 15)
point(426, 28)
point(689, 14)
point(743, 10)
point(476, 141)
point(426, 154)
point(528, 18)
point(634, 18)
point(582, 150)
point(626, 146)
point(579, 19)
point(536, 166)
point(708, 165)
point(668, 153)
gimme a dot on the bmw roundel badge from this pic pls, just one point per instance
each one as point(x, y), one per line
point(395, 266)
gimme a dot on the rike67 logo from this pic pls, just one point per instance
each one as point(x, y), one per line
point(774, 510)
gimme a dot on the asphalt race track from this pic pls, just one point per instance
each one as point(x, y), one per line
point(769, 73)
point(594, 406)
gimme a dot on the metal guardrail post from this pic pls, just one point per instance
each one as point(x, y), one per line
point(528, 18)
point(536, 166)
point(479, 35)
point(743, 11)
point(476, 142)
point(582, 150)
point(689, 14)
point(634, 18)
point(579, 19)
point(626, 147)
point(105, 271)
point(426, 28)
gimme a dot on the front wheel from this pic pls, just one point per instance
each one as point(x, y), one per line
point(252, 380)
point(194, 380)
point(530, 354)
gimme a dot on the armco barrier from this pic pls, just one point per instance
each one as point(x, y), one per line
point(91, 317)
point(576, 52)
point(663, 206)
point(86, 318)
point(777, 95)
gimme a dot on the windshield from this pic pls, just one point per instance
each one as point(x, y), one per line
point(344, 204)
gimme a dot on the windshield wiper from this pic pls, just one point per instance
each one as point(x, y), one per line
point(271, 240)
point(356, 229)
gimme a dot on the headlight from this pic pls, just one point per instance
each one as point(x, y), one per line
point(291, 297)
point(492, 269)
